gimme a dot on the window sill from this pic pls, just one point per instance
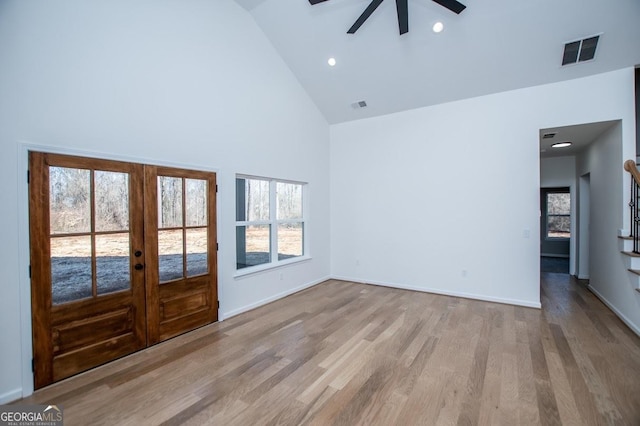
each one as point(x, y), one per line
point(253, 270)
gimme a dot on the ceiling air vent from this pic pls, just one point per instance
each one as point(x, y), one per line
point(580, 50)
point(548, 135)
point(359, 104)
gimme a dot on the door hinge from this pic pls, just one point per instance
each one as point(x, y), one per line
point(28, 176)
point(217, 249)
point(218, 304)
point(33, 365)
point(216, 188)
point(29, 271)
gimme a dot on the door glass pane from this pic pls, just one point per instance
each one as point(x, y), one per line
point(252, 199)
point(113, 272)
point(112, 201)
point(197, 252)
point(170, 250)
point(170, 202)
point(253, 245)
point(69, 200)
point(289, 199)
point(196, 202)
point(70, 269)
point(290, 240)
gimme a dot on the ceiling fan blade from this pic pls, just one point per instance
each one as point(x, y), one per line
point(452, 5)
point(365, 15)
point(403, 16)
point(316, 1)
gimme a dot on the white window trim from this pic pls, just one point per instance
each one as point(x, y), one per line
point(274, 222)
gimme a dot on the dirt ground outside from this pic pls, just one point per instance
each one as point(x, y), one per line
point(71, 267)
point(170, 242)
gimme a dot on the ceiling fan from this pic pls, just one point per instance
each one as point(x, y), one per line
point(403, 12)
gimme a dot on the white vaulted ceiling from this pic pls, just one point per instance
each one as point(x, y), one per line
point(492, 46)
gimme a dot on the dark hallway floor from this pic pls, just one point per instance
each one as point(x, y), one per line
point(554, 264)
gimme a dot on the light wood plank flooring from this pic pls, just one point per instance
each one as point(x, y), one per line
point(353, 354)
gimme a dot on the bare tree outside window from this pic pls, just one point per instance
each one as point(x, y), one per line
point(559, 215)
point(269, 221)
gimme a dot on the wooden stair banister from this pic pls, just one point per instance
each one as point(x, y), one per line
point(632, 168)
point(634, 231)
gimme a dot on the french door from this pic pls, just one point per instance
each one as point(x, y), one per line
point(123, 256)
point(180, 242)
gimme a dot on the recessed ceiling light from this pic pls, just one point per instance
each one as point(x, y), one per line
point(438, 27)
point(332, 62)
point(561, 145)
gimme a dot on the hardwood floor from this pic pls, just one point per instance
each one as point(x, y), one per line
point(349, 354)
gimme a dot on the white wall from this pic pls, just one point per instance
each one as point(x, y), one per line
point(445, 199)
point(559, 172)
point(193, 83)
point(609, 277)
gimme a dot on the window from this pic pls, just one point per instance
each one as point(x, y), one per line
point(558, 214)
point(269, 221)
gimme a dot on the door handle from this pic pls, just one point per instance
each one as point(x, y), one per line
point(139, 266)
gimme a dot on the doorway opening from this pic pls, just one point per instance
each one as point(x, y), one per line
point(555, 229)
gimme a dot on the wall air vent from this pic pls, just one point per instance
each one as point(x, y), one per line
point(549, 135)
point(580, 50)
point(359, 104)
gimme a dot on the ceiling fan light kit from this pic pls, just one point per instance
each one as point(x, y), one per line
point(402, 8)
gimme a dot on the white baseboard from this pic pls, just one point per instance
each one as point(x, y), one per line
point(10, 396)
point(464, 295)
point(620, 315)
point(233, 313)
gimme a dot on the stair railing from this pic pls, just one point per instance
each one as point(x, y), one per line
point(632, 168)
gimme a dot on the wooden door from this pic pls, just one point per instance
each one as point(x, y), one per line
point(123, 256)
point(87, 252)
point(180, 241)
